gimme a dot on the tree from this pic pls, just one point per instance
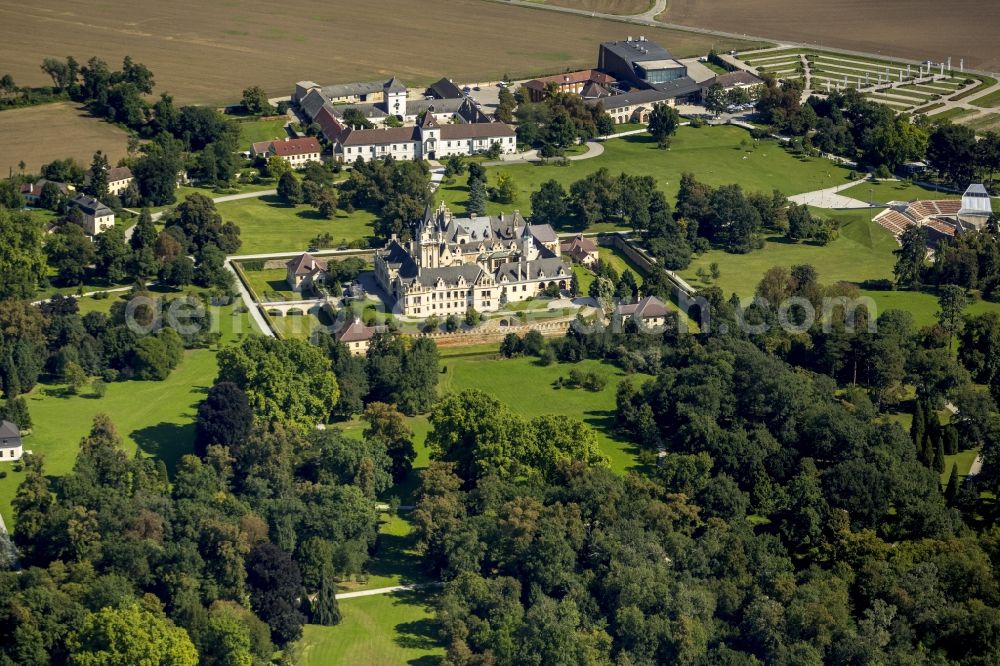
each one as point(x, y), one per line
point(476, 202)
point(663, 123)
point(129, 635)
point(224, 418)
point(951, 150)
point(716, 99)
point(548, 204)
point(156, 172)
point(561, 132)
point(952, 301)
point(255, 101)
point(289, 188)
point(98, 185)
point(604, 124)
point(951, 490)
point(15, 410)
point(506, 189)
point(112, 255)
point(910, 257)
point(505, 106)
point(387, 427)
point(326, 611)
point(288, 381)
point(22, 261)
point(71, 253)
point(202, 226)
point(327, 204)
point(275, 585)
point(354, 117)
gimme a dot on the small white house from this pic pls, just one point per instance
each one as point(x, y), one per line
point(10, 442)
point(96, 216)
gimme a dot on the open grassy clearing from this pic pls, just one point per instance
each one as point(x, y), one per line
point(893, 190)
point(40, 134)
point(269, 225)
point(527, 387)
point(916, 29)
point(714, 154)
point(862, 251)
point(375, 631)
point(270, 284)
point(156, 417)
point(252, 131)
point(233, 45)
point(921, 304)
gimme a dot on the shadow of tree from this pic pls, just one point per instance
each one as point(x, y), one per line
point(417, 634)
point(393, 558)
point(604, 421)
point(166, 441)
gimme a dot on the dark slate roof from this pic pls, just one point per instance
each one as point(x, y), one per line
point(543, 233)
point(445, 89)
point(685, 85)
point(312, 103)
point(428, 122)
point(356, 88)
point(636, 51)
point(368, 109)
point(449, 274)
point(394, 85)
point(740, 77)
point(451, 105)
point(36, 187)
point(91, 206)
point(632, 98)
point(9, 431)
point(532, 269)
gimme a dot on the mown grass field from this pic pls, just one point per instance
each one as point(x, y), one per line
point(209, 52)
point(714, 154)
point(886, 191)
point(528, 388)
point(252, 131)
point(156, 417)
point(862, 251)
point(380, 630)
point(40, 134)
point(268, 225)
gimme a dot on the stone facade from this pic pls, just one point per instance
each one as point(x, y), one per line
point(453, 264)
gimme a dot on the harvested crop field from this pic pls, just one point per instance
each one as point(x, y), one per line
point(44, 133)
point(914, 29)
point(620, 7)
point(208, 52)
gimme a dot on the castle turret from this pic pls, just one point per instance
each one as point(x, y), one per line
point(394, 97)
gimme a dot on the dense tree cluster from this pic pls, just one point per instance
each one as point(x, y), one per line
point(397, 191)
point(558, 121)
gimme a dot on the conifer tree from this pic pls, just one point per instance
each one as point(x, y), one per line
point(327, 611)
point(951, 490)
point(939, 456)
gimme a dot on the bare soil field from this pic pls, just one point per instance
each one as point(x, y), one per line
point(914, 29)
point(620, 7)
point(207, 52)
point(44, 133)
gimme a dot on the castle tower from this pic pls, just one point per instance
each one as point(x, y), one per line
point(394, 97)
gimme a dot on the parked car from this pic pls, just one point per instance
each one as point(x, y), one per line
point(476, 88)
point(466, 90)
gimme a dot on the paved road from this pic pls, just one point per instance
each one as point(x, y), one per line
point(385, 590)
point(977, 465)
point(594, 148)
point(251, 307)
point(829, 198)
point(223, 199)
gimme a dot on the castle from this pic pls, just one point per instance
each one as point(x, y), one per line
point(480, 262)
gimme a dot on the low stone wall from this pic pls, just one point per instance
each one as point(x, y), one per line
point(479, 336)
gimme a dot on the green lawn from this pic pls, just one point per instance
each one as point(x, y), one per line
point(270, 282)
point(921, 304)
point(362, 638)
point(268, 225)
point(898, 190)
point(863, 251)
point(252, 131)
point(527, 387)
point(963, 459)
point(987, 101)
point(156, 417)
point(714, 154)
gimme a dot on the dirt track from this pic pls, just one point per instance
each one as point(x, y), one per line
point(915, 29)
